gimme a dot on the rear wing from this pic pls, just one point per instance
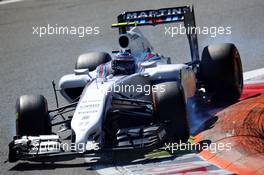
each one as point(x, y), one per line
point(183, 14)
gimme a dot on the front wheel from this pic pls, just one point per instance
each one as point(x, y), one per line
point(170, 108)
point(32, 118)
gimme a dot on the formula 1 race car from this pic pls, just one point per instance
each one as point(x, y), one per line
point(134, 99)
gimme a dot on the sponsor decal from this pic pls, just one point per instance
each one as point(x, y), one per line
point(156, 13)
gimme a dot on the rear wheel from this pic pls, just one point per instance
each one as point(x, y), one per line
point(221, 70)
point(92, 60)
point(32, 118)
point(170, 108)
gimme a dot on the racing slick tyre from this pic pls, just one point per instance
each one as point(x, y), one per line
point(221, 69)
point(32, 118)
point(92, 60)
point(170, 108)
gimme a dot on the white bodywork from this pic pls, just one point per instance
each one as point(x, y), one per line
point(95, 99)
point(87, 118)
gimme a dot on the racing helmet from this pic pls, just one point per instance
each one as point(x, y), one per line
point(123, 63)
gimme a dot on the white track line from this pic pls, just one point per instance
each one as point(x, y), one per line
point(9, 1)
point(253, 74)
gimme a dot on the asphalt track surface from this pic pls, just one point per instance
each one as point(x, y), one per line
point(29, 63)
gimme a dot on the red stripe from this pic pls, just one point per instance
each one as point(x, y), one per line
point(254, 86)
point(251, 90)
point(101, 70)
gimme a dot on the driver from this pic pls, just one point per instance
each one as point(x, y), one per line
point(123, 63)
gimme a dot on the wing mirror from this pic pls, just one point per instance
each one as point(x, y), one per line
point(149, 64)
point(82, 72)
